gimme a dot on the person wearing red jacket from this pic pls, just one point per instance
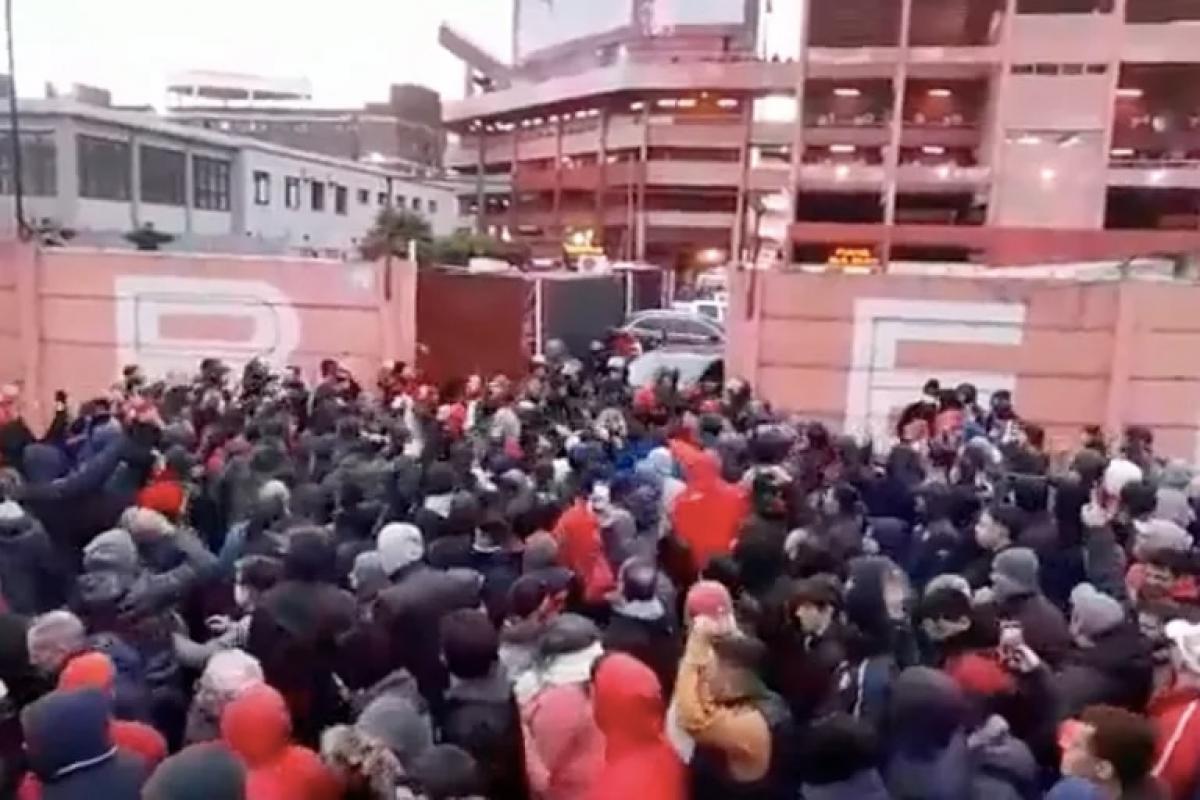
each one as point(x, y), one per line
point(257, 727)
point(708, 513)
point(1175, 712)
point(581, 549)
point(629, 710)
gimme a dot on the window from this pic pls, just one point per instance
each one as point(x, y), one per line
point(340, 199)
point(364, 197)
point(382, 198)
point(39, 164)
point(400, 201)
point(318, 196)
point(163, 175)
point(103, 168)
point(211, 177)
point(416, 204)
point(262, 188)
point(291, 192)
point(433, 206)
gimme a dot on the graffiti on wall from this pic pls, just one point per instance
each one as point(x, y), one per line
point(168, 324)
point(878, 385)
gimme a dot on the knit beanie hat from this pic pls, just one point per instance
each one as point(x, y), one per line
point(1118, 473)
point(1161, 535)
point(201, 772)
point(113, 549)
point(88, 671)
point(399, 544)
point(1015, 573)
point(1185, 636)
point(1093, 612)
point(708, 599)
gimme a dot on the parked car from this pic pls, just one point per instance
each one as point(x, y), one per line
point(667, 326)
point(695, 365)
point(713, 308)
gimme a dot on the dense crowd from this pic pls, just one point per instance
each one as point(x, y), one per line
point(560, 587)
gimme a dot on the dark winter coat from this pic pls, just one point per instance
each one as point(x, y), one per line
point(409, 612)
point(1116, 671)
point(481, 717)
point(649, 639)
point(72, 753)
point(296, 633)
point(1044, 626)
point(32, 576)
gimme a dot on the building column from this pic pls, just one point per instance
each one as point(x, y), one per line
point(66, 150)
point(480, 194)
point(643, 166)
point(135, 182)
point(189, 191)
point(738, 234)
point(601, 187)
point(557, 214)
point(240, 184)
point(797, 161)
point(513, 165)
point(998, 127)
point(892, 162)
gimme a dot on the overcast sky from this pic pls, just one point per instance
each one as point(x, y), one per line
point(350, 49)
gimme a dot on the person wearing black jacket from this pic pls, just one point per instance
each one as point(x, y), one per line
point(639, 624)
point(480, 714)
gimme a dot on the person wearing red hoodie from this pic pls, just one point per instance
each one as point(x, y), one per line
point(709, 512)
point(258, 728)
point(580, 547)
point(1175, 712)
point(629, 710)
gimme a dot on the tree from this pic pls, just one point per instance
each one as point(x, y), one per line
point(146, 238)
point(393, 230)
point(459, 248)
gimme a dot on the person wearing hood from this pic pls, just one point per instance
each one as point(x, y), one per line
point(926, 729)
point(1172, 496)
point(639, 624)
point(257, 728)
point(540, 560)
point(1111, 663)
point(1018, 597)
point(295, 632)
point(838, 759)
point(496, 556)
point(638, 759)
point(226, 675)
point(116, 594)
point(1109, 751)
point(68, 741)
point(706, 516)
point(564, 748)
point(96, 671)
point(410, 609)
point(743, 733)
point(31, 572)
point(878, 642)
point(480, 712)
point(74, 506)
point(580, 544)
point(659, 466)
point(1175, 712)
point(200, 772)
point(439, 489)
point(950, 626)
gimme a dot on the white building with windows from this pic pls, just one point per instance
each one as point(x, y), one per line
point(101, 173)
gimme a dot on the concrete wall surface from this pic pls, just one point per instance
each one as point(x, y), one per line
point(851, 350)
point(71, 318)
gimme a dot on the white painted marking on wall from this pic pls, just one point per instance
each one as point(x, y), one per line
point(877, 387)
point(143, 301)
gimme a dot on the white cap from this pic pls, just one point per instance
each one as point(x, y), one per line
point(1186, 638)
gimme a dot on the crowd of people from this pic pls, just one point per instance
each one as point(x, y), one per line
point(561, 587)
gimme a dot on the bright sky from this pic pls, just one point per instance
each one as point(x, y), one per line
point(350, 49)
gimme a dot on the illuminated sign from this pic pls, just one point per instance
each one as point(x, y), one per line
point(852, 257)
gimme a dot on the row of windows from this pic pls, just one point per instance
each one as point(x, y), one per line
point(317, 195)
point(105, 173)
point(1059, 69)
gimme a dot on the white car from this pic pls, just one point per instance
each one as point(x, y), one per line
point(670, 326)
point(714, 308)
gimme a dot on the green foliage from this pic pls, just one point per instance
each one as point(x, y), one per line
point(393, 230)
